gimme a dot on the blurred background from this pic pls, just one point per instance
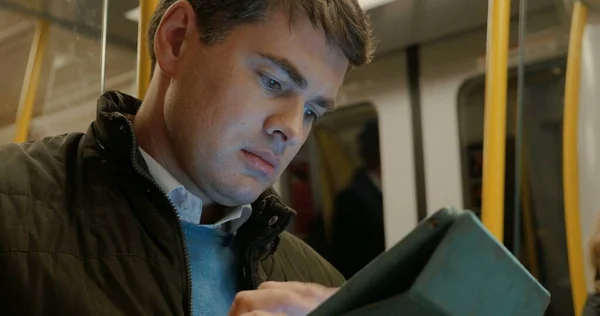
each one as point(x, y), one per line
point(407, 138)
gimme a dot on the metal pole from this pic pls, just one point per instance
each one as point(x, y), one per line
point(104, 46)
point(519, 127)
point(495, 117)
point(30, 83)
point(144, 63)
point(571, 158)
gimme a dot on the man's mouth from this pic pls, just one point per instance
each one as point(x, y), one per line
point(261, 160)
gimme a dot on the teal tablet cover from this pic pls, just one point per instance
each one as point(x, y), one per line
point(448, 265)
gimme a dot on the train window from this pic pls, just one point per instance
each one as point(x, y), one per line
point(542, 243)
point(71, 65)
point(334, 185)
point(16, 35)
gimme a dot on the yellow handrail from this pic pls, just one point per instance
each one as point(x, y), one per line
point(571, 160)
point(143, 58)
point(30, 83)
point(495, 117)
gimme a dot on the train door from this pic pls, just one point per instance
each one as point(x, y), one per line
point(328, 164)
point(445, 66)
point(543, 242)
point(334, 184)
point(452, 89)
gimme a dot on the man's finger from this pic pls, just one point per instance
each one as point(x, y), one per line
point(315, 290)
point(271, 300)
point(263, 313)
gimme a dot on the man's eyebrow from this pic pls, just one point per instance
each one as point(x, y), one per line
point(327, 104)
point(294, 74)
point(287, 67)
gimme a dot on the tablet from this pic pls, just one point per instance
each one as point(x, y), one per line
point(448, 265)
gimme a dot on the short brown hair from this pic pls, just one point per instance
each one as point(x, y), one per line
point(343, 21)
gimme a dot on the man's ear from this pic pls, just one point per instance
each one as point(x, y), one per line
point(176, 26)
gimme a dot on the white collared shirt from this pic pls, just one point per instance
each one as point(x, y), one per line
point(189, 206)
point(374, 179)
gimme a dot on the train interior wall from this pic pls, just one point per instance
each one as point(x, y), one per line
point(589, 139)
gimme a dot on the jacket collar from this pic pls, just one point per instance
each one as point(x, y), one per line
point(112, 130)
point(114, 137)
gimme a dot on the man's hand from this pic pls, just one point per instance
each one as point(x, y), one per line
point(280, 298)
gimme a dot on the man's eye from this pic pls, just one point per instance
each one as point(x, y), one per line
point(270, 84)
point(310, 115)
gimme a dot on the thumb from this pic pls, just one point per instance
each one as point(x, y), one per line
point(262, 313)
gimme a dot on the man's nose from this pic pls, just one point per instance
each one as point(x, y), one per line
point(287, 122)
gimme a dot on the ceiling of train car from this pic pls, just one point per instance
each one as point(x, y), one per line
point(397, 24)
point(83, 16)
point(403, 23)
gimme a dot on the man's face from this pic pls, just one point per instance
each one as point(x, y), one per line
point(237, 112)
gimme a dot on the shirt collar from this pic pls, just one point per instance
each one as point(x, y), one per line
point(162, 177)
point(374, 179)
point(176, 191)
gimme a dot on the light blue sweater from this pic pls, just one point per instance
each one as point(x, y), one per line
point(214, 264)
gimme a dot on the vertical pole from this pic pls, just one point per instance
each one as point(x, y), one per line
point(30, 83)
point(519, 128)
point(104, 46)
point(413, 64)
point(528, 221)
point(144, 64)
point(495, 117)
point(571, 158)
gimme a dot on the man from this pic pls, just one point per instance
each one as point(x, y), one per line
point(163, 207)
point(359, 208)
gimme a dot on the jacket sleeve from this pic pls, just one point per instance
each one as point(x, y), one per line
point(592, 305)
point(294, 260)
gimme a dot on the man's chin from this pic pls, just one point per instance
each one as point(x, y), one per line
point(243, 193)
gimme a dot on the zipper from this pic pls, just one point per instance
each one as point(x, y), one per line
point(186, 256)
point(248, 267)
point(252, 264)
point(252, 280)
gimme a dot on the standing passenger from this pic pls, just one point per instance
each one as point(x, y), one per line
point(164, 206)
point(358, 235)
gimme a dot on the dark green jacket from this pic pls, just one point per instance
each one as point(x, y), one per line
point(85, 230)
point(592, 305)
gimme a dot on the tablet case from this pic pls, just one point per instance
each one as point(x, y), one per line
point(448, 265)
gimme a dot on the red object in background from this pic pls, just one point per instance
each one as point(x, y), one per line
point(301, 196)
